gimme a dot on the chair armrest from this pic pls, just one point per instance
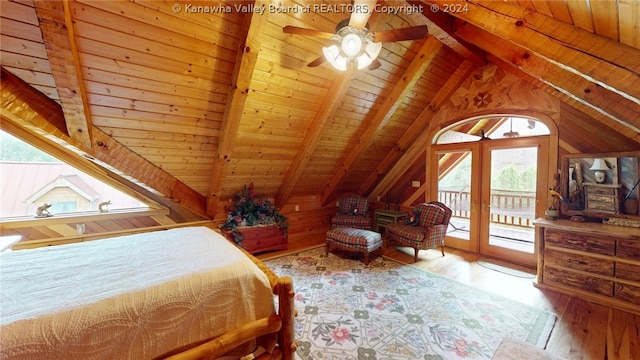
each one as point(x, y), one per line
point(438, 231)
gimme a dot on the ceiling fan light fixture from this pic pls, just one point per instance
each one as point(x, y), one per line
point(351, 45)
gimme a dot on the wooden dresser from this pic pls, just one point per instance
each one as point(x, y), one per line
point(596, 262)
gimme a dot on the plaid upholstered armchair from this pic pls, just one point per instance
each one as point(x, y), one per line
point(426, 232)
point(353, 212)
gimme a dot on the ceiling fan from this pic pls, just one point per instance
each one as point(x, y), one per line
point(353, 44)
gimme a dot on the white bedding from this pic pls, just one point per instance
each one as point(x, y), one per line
point(130, 297)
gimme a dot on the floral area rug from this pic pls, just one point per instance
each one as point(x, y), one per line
point(390, 310)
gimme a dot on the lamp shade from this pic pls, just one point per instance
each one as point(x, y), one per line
point(599, 164)
point(334, 57)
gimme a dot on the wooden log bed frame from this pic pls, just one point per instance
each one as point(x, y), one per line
point(184, 293)
point(282, 324)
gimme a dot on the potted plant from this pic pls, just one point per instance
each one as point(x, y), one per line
point(248, 211)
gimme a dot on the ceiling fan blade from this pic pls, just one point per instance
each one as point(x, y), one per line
point(374, 65)
point(362, 10)
point(410, 33)
point(308, 32)
point(316, 62)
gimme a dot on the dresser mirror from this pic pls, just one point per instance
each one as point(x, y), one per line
point(601, 185)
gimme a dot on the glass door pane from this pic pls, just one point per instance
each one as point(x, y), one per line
point(511, 203)
point(454, 190)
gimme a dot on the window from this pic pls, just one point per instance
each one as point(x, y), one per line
point(31, 178)
point(494, 127)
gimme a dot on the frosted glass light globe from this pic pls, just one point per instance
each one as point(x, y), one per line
point(351, 45)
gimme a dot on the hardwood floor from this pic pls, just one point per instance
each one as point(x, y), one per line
point(584, 330)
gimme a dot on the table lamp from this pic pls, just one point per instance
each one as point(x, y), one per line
point(599, 166)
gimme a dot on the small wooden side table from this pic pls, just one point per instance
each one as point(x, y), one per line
point(384, 217)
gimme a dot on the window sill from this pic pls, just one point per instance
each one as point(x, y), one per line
point(24, 221)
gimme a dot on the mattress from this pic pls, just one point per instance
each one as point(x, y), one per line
point(129, 297)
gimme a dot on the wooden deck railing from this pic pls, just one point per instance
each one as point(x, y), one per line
point(507, 207)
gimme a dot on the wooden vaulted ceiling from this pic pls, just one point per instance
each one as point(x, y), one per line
point(195, 105)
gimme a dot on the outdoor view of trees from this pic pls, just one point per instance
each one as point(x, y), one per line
point(14, 149)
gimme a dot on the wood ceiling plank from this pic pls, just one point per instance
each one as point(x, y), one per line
point(279, 109)
point(581, 14)
point(33, 77)
point(417, 127)
point(20, 12)
point(629, 18)
point(108, 80)
point(591, 56)
point(605, 18)
point(114, 29)
point(142, 116)
point(13, 28)
point(27, 47)
point(178, 99)
point(119, 54)
point(25, 62)
point(162, 137)
point(542, 7)
point(211, 112)
point(409, 78)
point(341, 84)
point(171, 78)
point(587, 92)
point(102, 121)
point(560, 11)
point(217, 31)
point(247, 56)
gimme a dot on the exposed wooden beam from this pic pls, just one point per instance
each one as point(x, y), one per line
point(412, 74)
point(411, 155)
point(331, 102)
point(246, 58)
point(606, 62)
point(417, 126)
point(27, 107)
point(587, 92)
point(59, 40)
point(441, 26)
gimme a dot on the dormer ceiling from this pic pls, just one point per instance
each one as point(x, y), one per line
point(214, 95)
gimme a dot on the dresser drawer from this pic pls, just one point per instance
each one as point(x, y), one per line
point(601, 203)
point(628, 293)
point(579, 262)
point(627, 271)
point(601, 190)
point(580, 281)
point(588, 243)
point(628, 249)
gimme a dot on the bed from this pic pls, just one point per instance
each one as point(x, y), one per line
point(184, 293)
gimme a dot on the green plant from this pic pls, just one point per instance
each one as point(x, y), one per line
point(245, 210)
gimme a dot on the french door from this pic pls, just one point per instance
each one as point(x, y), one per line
point(495, 188)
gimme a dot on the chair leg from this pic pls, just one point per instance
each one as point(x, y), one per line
point(442, 250)
point(415, 257)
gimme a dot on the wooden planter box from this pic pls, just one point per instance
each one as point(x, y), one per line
point(262, 238)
